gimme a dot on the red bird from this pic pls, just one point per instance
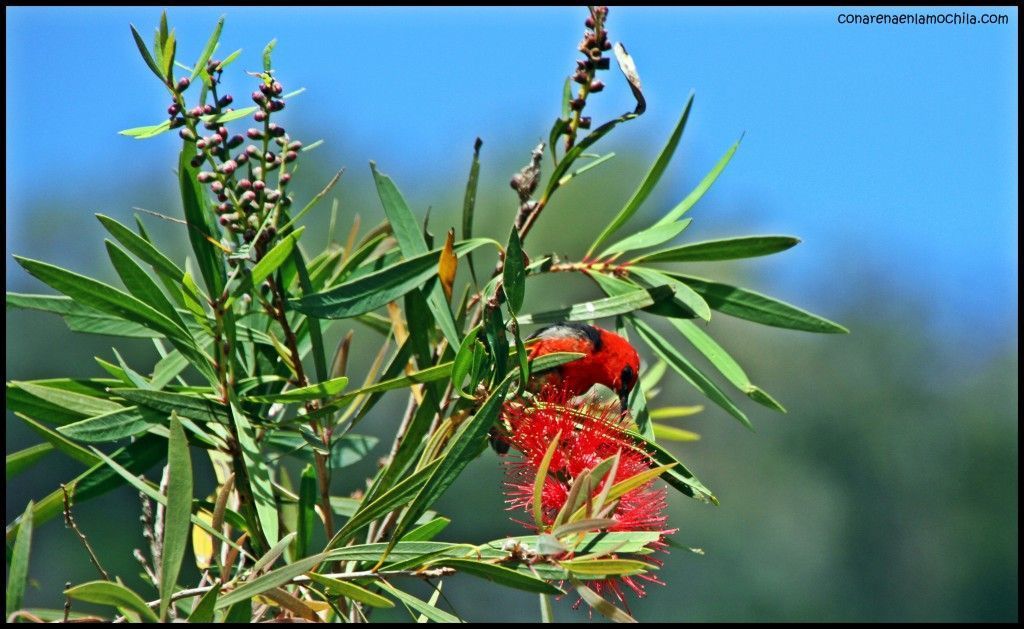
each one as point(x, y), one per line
point(609, 359)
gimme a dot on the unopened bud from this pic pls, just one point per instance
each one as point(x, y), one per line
point(258, 97)
point(259, 116)
point(173, 109)
point(235, 141)
point(195, 112)
point(225, 100)
point(205, 177)
point(187, 134)
point(275, 130)
point(217, 187)
point(276, 105)
point(258, 186)
point(254, 134)
point(585, 122)
point(291, 156)
point(603, 63)
point(242, 158)
point(207, 109)
point(596, 87)
point(228, 167)
point(285, 178)
point(244, 184)
point(183, 84)
point(276, 87)
point(577, 104)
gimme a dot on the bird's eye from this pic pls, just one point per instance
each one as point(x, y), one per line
point(627, 376)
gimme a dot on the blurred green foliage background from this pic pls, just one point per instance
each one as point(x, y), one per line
point(888, 492)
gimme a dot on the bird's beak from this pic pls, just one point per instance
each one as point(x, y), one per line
point(624, 401)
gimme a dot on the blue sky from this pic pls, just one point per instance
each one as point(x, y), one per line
point(888, 147)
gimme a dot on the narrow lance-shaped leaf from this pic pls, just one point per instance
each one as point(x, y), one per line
point(201, 232)
point(113, 594)
point(469, 202)
point(704, 185)
point(601, 308)
point(18, 574)
point(747, 304)
point(724, 363)
point(146, 56)
point(375, 290)
point(211, 45)
point(178, 514)
point(725, 249)
point(18, 462)
point(412, 243)
point(650, 237)
point(460, 451)
point(140, 285)
point(307, 512)
point(514, 272)
point(685, 369)
point(649, 181)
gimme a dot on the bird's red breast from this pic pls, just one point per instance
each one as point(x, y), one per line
point(608, 358)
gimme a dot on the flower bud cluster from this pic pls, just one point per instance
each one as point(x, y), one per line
point(594, 46)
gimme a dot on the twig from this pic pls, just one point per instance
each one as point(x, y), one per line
point(69, 521)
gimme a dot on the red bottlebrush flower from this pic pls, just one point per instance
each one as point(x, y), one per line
point(588, 433)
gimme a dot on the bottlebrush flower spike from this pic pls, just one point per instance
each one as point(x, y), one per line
point(589, 435)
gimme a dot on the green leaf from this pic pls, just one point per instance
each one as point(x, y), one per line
point(269, 581)
point(683, 296)
point(203, 612)
point(374, 290)
point(267, 50)
point(275, 257)
point(514, 272)
point(317, 391)
point(426, 609)
point(463, 448)
point(463, 362)
point(724, 363)
point(725, 249)
point(601, 308)
point(602, 606)
point(394, 497)
point(113, 594)
point(179, 511)
point(677, 476)
point(426, 532)
point(608, 567)
point(540, 478)
point(501, 575)
point(307, 510)
point(140, 285)
point(259, 473)
point(201, 233)
point(80, 318)
point(272, 555)
point(75, 402)
point(672, 412)
point(148, 58)
point(118, 424)
point(211, 45)
point(337, 587)
point(746, 304)
point(413, 244)
point(698, 192)
point(650, 237)
point(18, 462)
point(685, 369)
point(594, 163)
point(469, 201)
point(671, 433)
point(18, 574)
point(147, 131)
point(229, 116)
point(102, 297)
point(190, 406)
point(649, 181)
